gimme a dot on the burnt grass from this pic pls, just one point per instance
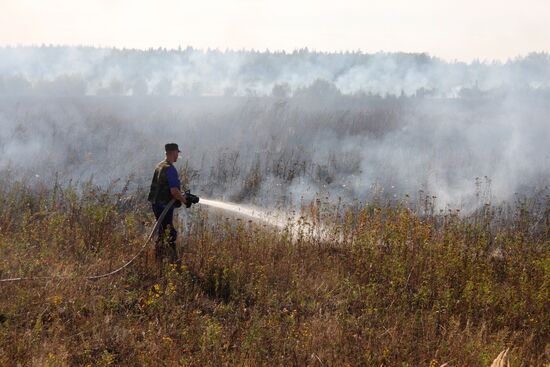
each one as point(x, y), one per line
point(393, 287)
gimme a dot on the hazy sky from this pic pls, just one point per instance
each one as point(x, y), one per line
point(452, 29)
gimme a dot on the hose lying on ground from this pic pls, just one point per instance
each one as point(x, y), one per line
point(99, 276)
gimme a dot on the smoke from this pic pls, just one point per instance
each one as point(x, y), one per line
point(90, 71)
point(272, 127)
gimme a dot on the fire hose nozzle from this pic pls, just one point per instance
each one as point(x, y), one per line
point(190, 199)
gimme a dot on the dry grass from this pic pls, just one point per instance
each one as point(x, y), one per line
point(403, 290)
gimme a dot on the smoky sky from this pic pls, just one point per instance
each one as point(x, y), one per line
point(263, 127)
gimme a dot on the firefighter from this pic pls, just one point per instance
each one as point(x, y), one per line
point(166, 186)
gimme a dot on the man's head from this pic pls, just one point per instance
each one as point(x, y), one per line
point(172, 152)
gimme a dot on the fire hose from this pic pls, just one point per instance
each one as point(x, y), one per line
point(104, 275)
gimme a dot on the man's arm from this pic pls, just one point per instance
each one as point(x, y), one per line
point(176, 194)
point(174, 183)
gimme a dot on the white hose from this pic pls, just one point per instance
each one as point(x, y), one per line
point(98, 276)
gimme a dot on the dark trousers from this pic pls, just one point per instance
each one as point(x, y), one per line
point(167, 234)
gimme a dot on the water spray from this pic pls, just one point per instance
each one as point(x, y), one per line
point(275, 219)
point(297, 226)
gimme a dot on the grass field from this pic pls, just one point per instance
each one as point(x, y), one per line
point(400, 286)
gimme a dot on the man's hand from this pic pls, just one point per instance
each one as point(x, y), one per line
point(176, 194)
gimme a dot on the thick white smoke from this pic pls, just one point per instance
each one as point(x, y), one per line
point(268, 127)
point(90, 71)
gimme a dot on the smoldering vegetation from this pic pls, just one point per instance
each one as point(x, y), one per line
point(274, 128)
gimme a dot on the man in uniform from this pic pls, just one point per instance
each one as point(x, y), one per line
point(166, 186)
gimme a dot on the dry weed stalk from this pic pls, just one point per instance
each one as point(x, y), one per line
point(502, 359)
